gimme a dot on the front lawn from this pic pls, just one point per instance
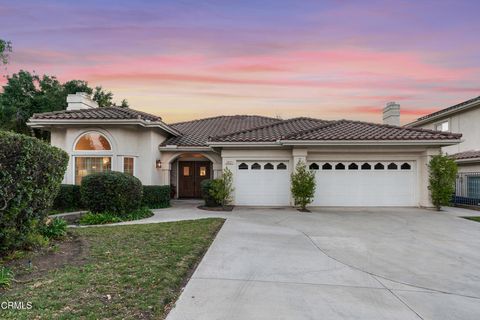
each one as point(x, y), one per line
point(123, 272)
point(473, 218)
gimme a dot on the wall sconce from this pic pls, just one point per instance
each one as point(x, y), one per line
point(158, 164)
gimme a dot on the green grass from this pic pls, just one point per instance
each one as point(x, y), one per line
point(141, 267)
point(90, 218)
point(473, 218)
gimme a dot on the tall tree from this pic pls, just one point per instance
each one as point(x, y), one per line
point(102, 97)
point(5, 49)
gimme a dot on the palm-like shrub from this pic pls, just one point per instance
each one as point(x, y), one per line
point(303, 185)
point(443, 172)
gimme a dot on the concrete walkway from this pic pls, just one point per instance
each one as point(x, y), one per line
point(381, 263)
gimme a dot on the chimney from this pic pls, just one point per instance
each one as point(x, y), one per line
point(80, 100)
point(391, 114)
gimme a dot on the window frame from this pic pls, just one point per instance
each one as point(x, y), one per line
point(134, 173)
point(440, 124)
point(88, 156)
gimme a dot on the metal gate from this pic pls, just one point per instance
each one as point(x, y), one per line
point(467, 189)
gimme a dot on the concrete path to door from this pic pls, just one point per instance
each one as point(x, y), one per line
point(342, 263)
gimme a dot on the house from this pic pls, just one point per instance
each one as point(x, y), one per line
point(464, 118)
point(356, 163)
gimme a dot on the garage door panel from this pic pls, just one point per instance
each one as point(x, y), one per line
point(366, 187)
point(263, 187)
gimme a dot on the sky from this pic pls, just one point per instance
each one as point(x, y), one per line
point(189, 59)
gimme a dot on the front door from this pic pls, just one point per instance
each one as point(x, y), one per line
point(190, 175)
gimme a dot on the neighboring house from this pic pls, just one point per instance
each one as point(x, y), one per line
point(465, 119)
point(356, 163)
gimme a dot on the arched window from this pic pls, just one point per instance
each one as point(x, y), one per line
point(405, 166)
point(327, 166)
point(243, 166)
point(281, 166)
point(352, 166)
point(93, 141)
point(392, 166)
point(379, 166)
point(366, 166)
point(314, 166)
point(256, 166)
point(339, 166)
point(268, 166)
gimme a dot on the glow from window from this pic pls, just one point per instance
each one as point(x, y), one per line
point(93, 141)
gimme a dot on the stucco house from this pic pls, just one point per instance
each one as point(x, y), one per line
point(356, 163)
point(464, 118)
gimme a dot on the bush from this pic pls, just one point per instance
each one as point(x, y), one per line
point(30, 175)
point(443, 173)
point(205, 188)
point(106, 217)
point(68, 198)
point(55, 228)
point(6, 277)
point(221, 189)
point(113, 192)
point(156, 197)
point(303, 185)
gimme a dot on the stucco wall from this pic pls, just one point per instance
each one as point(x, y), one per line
point(134, 141)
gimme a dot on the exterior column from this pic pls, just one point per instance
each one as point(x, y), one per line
point(299, 155)
point(217, 170)
point(165, 174)
point(423, 176)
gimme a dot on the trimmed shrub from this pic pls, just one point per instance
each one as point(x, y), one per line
point(111, 191)
point(443, 173)
point(205, 188)
point(106, 217)
point(30, 175)
point(303, 185)
point(156, 197)
point(68, 198)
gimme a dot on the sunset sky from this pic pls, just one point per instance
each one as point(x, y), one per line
point(189, 59)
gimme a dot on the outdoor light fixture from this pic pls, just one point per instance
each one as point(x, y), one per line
point(158, 164)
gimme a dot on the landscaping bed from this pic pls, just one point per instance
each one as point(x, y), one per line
point(473, 218)
point(134, 271)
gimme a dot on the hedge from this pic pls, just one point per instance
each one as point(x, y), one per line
point(68, 198)
point(30, 175)
point(112, 192)
point(156, 197)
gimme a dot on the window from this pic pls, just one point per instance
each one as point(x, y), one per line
point(186, 171)
point(392, 166)
point(442, 126)
point(128, 165)
point(339, 166)
point(268, 166)
point(203, 171)
point(243, 166)
point(352, 166)
point(366, 166)
point(327, 166)
point(93, 141)
point(281, 166)
point(314, 166)
point(88, 165)
point(379, 166)
point(256, 166)
point(405, 166)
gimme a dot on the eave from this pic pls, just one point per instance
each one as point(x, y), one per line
point(443, 115)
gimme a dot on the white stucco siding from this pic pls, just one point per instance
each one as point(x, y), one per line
point(140, 143)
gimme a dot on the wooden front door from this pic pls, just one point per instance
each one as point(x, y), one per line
point(190, 175)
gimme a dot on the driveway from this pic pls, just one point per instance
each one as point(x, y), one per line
point(378, 263)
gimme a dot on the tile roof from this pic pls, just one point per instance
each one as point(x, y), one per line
point(271, 132)
point(97, 113)
point(471, 154)
point(358, 130)
point(197, 132)
point(440, 112)
point(302, 129)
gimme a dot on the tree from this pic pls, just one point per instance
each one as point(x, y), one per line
point(303, 185)
point(5, 49)
point(222, 188)
point(443, 173)
point(124, 104)
point(102, 97)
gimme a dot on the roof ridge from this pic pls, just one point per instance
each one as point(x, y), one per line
point(260, 127)
point(322, 126)
point(404, 128)
point(221, 116)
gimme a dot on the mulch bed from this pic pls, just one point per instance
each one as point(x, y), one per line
point(226, 208)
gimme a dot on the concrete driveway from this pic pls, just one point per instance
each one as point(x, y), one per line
point(335, 264)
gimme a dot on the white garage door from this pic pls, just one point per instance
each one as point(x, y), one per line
point(262, 183)
point(365, 183)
